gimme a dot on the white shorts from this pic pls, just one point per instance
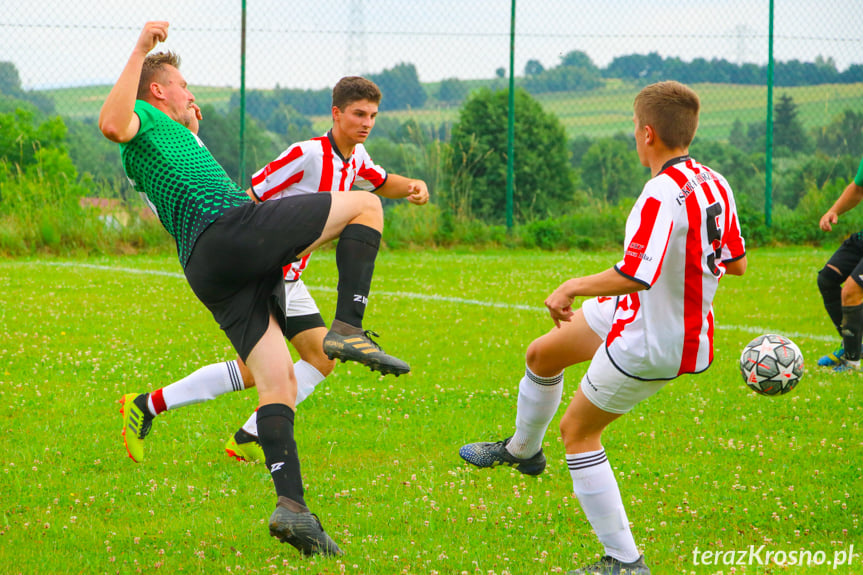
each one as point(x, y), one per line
point(604, 385)
point(298, 300)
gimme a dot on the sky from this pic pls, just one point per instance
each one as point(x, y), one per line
point(305, 44)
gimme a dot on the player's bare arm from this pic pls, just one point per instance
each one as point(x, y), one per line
point(849, 199)
point(607, 283)
point(398, 187)
point(736, 267)
point(117, 119)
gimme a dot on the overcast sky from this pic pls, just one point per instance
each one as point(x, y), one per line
point(305, 44)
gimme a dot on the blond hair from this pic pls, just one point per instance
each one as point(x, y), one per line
point(671, 108)
point(153, 68)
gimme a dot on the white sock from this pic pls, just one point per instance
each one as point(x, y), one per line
point(205, 384)
point(307, 378)
point(538, 400)
point(596, 488)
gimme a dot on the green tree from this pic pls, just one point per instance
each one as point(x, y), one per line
point(289, 124)
point(843, 135)
point(533, 68)
point(576, 73)
point(788, 132)
point(22, 136)
point(737, 135)
point(610, 169)
point(401, 87)
point(452, 91)
point(95, 155)
point(10, 80)
point(806, 172)
point(221, 134)
point(543, 177)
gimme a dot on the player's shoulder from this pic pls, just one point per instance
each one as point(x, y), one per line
point(300, 153)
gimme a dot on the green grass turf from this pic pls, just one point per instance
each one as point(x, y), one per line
point(705, 464)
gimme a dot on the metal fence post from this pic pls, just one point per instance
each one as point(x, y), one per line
point(510, 134)
point(768, 179)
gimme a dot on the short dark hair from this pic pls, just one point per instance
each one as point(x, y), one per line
point(672, 109)
point(351, 89)
point(154, 66)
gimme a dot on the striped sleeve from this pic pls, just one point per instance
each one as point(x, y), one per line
point(280, 174)
point(370, 176)
point(648, 231)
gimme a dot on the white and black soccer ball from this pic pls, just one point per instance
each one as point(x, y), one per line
point(771, 364)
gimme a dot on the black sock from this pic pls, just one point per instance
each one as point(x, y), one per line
point(243, 436)
point(355, 258)
point(276, 435)
point(852, 330)
point(830, 286)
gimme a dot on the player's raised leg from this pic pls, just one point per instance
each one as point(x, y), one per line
point(204, 384)
point(357, 220)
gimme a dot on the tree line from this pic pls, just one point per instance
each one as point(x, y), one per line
point(575, 72)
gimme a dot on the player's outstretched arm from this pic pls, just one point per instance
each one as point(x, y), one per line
point(397, 187)
point(607, 283)
point(117, 120)
point(849, 199)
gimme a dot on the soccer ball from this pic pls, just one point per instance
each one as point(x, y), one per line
point(771, 364)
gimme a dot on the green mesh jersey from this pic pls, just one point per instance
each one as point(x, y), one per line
point(179, 177)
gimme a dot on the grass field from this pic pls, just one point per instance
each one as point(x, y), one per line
point(703, 465)
point(598, 113)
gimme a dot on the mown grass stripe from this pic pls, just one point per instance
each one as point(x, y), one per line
point(434, 297)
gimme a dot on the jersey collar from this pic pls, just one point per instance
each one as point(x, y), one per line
point(336, 148)
point(673, 161)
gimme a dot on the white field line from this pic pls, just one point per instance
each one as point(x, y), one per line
point(510, 306)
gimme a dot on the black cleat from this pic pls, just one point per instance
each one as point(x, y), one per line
point(611, 566)
point(493, 454)
point(360, 347)
point(295, 524)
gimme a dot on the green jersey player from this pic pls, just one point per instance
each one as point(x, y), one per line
point(151, 113)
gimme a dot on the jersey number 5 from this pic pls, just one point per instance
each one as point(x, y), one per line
point(714, 236)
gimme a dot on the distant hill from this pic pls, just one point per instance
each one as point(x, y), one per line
point(600, 112)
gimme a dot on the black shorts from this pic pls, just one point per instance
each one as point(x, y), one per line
point(236, 265)
point(848, 259)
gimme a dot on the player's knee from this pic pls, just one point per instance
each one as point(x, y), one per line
point(540, 360)
point(852, 293)
point(571, 432)
point(829, 279)
point(533, 356)
point(577, 436)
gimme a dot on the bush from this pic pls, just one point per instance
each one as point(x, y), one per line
point(410, 225)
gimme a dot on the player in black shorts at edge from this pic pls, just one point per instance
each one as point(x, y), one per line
point(233, 250)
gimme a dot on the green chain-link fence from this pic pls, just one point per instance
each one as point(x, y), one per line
point(583, 62)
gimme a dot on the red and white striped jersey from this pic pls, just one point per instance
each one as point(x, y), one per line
point(679, 236)
point(315, 165)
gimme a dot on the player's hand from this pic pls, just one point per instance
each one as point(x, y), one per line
point(418, 192)
point(559, 305)
point(827, 221)
point(153, 33)
point(195, 118)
